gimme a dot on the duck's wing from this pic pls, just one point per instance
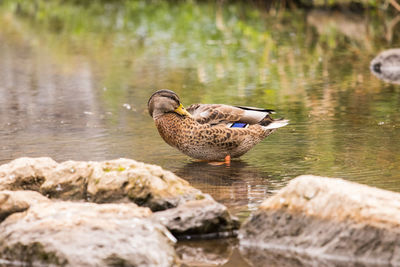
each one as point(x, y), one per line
point(224, 114)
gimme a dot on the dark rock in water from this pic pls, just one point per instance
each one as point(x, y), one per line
point(326, 220)
point(386, 66)
point(86, 234)
point(201, 218)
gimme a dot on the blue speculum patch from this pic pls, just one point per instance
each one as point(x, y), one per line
point(238, 125)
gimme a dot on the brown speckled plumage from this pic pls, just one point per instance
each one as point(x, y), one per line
point(205, 133)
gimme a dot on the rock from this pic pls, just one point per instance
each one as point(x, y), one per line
point(25, 173)
point(86, 234)
point(328, 219)
point(144, 184)
point(18, 201)
point(68, 180)
point(121, 180)
point(386, 65)
point(202, 218)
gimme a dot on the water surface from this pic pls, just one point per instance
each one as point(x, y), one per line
point(74, 84)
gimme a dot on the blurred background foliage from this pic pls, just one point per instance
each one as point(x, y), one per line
point(216, 39)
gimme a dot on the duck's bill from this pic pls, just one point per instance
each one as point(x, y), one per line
point(182, 111)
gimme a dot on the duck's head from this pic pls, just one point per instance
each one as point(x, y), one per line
point(165, 101)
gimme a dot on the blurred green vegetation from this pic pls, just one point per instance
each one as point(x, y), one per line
point(309, 64)
point(216, 40)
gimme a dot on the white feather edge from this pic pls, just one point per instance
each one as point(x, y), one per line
point(257, 115)
point(276, 124)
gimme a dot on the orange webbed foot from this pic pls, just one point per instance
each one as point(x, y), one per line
point(227, 162)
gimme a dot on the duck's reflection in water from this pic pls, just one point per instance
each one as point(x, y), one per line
point(240, 187)
point(220, 252)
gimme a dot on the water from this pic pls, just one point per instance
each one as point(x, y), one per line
point(74, 84)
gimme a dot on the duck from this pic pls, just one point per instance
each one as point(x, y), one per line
point(210, 132)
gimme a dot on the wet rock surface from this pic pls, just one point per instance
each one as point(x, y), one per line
point(198, 218)
point(327, 219)
point(86, 234)
point(386, 65)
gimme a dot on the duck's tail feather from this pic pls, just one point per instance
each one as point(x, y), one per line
point(274, 124)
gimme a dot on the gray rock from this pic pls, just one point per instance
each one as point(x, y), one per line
point(202, 218)
point(386, 65)
point(18, 201)
point(86, 234)
point(328, 219)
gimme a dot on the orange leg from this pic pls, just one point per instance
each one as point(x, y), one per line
point(227, 161)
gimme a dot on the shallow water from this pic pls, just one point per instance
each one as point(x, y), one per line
point(74, 84)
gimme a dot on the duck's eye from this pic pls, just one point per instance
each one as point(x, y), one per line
point(175, 99)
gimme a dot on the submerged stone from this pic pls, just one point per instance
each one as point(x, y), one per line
point(325, 219)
